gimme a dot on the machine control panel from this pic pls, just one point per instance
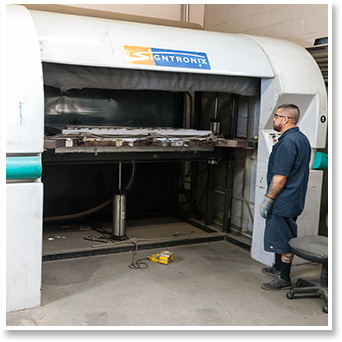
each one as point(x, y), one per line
point(271, 138)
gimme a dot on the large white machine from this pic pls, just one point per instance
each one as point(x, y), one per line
point(70, 51)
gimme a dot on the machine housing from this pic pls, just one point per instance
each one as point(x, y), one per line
point(90, 93)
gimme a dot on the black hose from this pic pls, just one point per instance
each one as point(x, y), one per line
point(78, 215)
point(93, 210)
point(131, 181)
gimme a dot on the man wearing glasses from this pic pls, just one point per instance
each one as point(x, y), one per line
point(287, 179)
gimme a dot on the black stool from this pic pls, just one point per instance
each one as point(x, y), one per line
point(315, 249)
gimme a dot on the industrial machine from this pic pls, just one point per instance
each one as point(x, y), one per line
point(103, 112)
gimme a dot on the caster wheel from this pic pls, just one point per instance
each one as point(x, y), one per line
point(290, 295)
point(325, 309)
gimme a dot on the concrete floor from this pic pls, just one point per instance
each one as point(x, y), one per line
point(71, 239)
point(214, 284)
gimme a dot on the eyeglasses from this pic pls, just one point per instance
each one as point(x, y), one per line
point(282, 116)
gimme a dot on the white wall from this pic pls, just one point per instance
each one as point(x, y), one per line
point(161, 11)
point(301, 23)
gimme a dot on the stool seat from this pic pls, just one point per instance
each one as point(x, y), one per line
point(312, 248)
point(315, 249)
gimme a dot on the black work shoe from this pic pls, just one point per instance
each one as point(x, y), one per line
point(271, 271)
point(277, 284)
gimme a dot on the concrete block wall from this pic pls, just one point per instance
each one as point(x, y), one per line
point(302, 23)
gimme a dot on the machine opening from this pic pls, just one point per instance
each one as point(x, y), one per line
point(154, 165)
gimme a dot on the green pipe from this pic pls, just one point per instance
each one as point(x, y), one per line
point(23, 167)
point(320, 161)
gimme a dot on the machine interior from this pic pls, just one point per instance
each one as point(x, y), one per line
point(177, 155)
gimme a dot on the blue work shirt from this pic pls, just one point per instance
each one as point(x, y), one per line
point(290, 157)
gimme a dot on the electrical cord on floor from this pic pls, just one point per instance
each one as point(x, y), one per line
point(139, 264)
point(99, 228)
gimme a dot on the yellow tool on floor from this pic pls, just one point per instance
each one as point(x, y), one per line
point(163, 257)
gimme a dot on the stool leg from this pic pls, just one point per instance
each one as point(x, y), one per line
point(324, 275)
point(304, 283)
point(324, 296)
point(311, 289)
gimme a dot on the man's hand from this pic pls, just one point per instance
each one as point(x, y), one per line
point(276, 186)
point(266, 206)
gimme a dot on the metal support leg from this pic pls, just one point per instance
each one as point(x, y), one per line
point(119, 213)
point(228, 194)
point(209, 207)
point(193, 188)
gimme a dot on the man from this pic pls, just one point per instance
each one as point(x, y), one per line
point(287, 179)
